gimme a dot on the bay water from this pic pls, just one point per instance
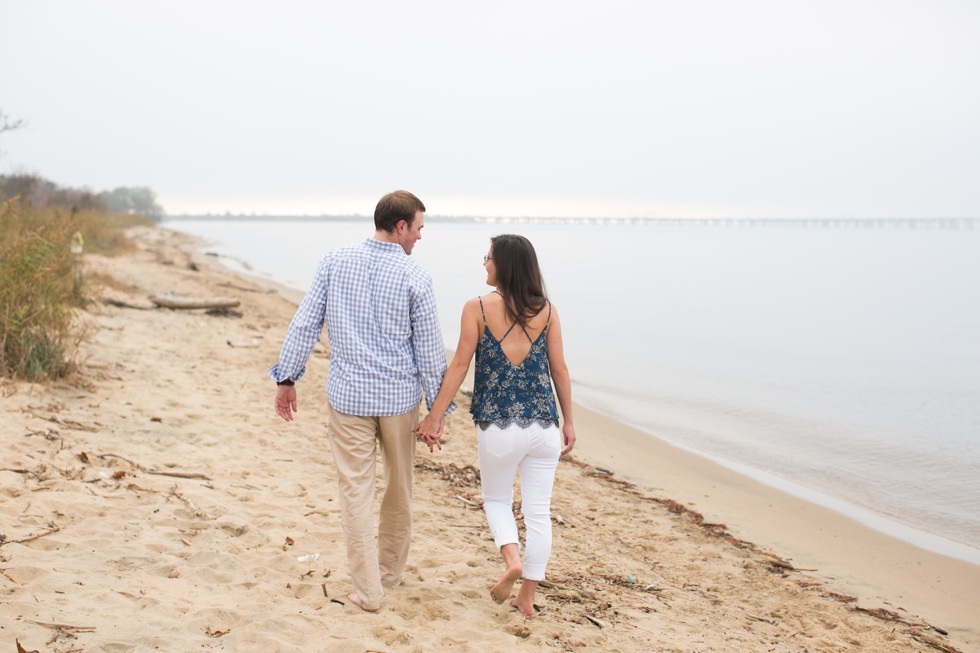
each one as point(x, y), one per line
point(839, 364)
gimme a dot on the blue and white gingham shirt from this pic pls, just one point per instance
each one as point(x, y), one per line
point(385, 342)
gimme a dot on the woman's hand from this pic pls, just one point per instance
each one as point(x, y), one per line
point(568, 435)
point(429, 431)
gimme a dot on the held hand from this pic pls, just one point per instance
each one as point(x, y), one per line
point(568, 435)
point(428, 426)
point(429, 431)
point(286, 402)
point(430, 440)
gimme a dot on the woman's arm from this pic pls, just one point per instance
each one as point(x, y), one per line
point(561, 379)
point(469, 334)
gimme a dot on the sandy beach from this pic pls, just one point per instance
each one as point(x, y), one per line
point(157, 503)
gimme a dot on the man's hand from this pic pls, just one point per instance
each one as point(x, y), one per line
point(286, 401)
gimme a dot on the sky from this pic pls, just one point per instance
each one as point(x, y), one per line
point(618, 108)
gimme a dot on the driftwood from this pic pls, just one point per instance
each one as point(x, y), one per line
point(60, 626)
point(203, 477)
point(31, 538)
point(135, 464)
point(169, 301)
point(121, 303)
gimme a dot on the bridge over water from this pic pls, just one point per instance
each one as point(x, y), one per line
point(800, 223)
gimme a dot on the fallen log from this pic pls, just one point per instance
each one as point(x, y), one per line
point(122, 303)
point(169, 301)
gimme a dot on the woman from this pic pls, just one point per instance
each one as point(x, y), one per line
point(516, 335)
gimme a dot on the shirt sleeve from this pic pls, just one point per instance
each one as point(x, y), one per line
point(304, 330)
point(430, 351)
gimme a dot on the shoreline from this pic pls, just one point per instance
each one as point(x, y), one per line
point(157, 502)
point(854, 557)
point(866, 517)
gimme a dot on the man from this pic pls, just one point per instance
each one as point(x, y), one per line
point(386, 350)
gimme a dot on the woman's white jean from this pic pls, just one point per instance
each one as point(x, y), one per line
point(534, 450)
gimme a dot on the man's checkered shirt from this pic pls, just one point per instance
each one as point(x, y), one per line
point(386, 347)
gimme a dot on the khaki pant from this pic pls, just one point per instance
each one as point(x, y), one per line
point(374, 561)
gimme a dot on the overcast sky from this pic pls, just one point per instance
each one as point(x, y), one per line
point(714, 108)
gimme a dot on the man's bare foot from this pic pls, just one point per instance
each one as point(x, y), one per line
point(528, 610)
point(356, 600)
point(401, 581)
point(501, 591)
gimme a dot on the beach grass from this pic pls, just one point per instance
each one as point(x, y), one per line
point(41, 287)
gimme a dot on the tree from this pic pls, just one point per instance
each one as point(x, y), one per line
point(8, 124)
point(139, 199)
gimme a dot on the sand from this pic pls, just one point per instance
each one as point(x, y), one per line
point(157, 503)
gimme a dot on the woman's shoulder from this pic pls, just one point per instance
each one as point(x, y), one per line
point(473, 306)
point(489, 299)
point(486, 300)
point(547, 310)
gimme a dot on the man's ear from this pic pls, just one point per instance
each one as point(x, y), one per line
point(401, 226)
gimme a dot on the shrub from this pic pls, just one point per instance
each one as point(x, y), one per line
point(39, 334)
point(37, 339)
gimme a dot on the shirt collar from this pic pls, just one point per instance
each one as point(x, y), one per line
point(382, 246)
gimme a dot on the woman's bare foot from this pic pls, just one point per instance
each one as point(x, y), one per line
point(501, 591)
point(356, 600)
point(525, 598)
point(512, 564)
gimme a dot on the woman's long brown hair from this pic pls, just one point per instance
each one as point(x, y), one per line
point(518, 277)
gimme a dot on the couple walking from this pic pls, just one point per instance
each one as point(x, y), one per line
point(387, 351)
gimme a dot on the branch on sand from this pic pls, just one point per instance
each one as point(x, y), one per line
point(31, 538)
point(197, 475)
point(48, 624)
point(169, 301)
point(121, 303)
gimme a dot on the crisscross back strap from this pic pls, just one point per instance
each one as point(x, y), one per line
point(523, 328)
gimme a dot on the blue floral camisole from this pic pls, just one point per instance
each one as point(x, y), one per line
point(504, 393)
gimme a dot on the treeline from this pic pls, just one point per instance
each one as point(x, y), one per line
point(39, 193)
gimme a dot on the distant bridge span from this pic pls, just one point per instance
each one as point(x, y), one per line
point(821, 223)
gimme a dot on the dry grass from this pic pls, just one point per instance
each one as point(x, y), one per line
point(39, 290)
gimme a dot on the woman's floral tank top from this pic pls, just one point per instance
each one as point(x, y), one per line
point(504, 393)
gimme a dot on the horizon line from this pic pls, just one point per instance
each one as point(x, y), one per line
point(556, 218)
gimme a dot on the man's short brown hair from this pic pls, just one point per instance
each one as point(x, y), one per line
point(395, 207)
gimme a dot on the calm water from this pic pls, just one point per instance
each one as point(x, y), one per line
point(839, 364)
